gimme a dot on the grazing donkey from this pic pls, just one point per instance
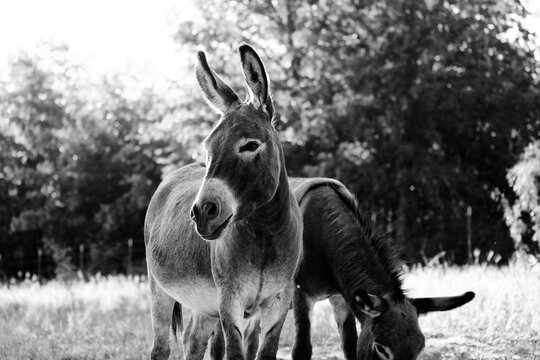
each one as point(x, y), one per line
point(241, 200)
point(349, 262)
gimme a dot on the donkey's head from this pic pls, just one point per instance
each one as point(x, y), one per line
point(243, 151)
point(390, 329)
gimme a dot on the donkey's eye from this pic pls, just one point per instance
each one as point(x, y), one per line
point(249, 146)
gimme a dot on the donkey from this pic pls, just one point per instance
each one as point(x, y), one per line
point(351, 263)
point(241, 204)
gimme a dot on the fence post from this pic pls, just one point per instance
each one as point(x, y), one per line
point(130, 253)
point(39, 254)
point(81, 257)
point(389, 223)
point(469, 236)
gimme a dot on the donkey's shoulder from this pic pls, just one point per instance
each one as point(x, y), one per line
point(302, 186)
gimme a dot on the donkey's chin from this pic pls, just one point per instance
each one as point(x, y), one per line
point(217, 232)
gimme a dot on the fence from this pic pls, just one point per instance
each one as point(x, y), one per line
point(42, 266)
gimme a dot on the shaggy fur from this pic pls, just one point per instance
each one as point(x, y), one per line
point(382, 258)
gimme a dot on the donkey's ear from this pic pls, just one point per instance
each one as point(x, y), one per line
point(369, 304)
point(216, 92)
point(425, 305)
point(256, 80)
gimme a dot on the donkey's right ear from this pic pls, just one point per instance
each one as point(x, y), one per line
point(216, 92)
point(369, 304)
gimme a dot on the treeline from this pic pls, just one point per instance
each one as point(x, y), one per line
point(422, 108)
point(80, 159)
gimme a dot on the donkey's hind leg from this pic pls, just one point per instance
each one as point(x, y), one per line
point(196, 335)
point(162, 309)
point(252, 331)
point(346, 323)
point(302, 307)
point(217, 343)
point(251, 340)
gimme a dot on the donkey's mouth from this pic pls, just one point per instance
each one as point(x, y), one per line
point(217, 232)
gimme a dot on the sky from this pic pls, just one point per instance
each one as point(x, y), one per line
point(111, 36)
point(107, 36)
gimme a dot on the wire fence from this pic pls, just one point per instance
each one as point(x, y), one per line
point(41, 266)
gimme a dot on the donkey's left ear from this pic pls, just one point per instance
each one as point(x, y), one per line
point(369, 304)
point(256, 80)
point(425, 305)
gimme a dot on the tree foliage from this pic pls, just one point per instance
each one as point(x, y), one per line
point(419, 107)
point(80, 160)
point(523, 215)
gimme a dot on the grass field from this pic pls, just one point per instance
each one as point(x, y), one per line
point(108, 318)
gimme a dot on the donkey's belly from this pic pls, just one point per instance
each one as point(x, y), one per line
point(184, 272)
point(185, 277)
point(198, 296)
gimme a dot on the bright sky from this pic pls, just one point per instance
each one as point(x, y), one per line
point(109, 36)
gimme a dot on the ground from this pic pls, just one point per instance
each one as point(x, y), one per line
point(108, 317)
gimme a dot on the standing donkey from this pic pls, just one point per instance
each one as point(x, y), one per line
point(241, 205)
point(351, 263)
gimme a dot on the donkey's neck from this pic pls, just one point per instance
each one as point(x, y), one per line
point(354, 262)
point(276, 212)
point(352, 273)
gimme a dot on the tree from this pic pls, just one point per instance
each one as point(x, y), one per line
point(33, 112)
point(419, 107)
point(523, 215)
point(80, 159)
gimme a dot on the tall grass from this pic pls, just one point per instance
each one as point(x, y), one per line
point(108, 317)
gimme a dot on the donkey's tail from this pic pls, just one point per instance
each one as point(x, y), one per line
point(176, 322)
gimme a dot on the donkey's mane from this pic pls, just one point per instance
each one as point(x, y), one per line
point(381, 249)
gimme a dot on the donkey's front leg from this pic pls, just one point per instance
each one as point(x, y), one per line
point(162, 309)
point(346, 323)
point(231, 313)
point(273, 313)
point(302, 307)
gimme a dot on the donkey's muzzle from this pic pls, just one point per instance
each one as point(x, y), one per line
point(209, 210)
point(209, 224)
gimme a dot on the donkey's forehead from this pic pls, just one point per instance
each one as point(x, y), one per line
point(246, 112)
point(242, 122)
point(400, 317)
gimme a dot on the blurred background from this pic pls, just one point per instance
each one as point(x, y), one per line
point(429, 111)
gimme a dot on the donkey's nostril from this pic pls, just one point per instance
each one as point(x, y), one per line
point(194, 212)
point(210, 209)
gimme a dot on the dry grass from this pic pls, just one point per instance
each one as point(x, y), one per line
point(108, 318)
